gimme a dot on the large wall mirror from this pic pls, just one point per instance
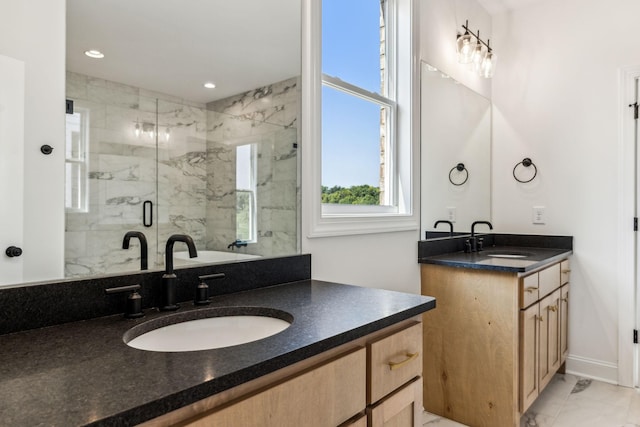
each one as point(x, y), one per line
point(150, 149)
point(455, 154)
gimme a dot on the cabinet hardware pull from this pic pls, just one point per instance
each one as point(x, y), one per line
point(531, 289)
point(540, 318)
point(565, 299)
point(397, 365)
point(566, 271)
point(553, 308)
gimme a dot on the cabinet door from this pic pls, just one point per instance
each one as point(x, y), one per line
point(564, 323)
point(549, 341)
point(529, 335)
point(326, 396)
point(401, 409)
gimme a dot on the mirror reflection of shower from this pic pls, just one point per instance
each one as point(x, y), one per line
point(219, 172)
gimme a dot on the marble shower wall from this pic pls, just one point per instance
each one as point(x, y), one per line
point(190, 178)
point(267, 117)
point(124, 170)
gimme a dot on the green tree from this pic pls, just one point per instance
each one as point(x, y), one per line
point(354, 195)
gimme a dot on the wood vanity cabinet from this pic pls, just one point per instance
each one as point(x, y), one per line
point(372, 381)
point(494, 341)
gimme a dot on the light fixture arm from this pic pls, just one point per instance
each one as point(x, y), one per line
point(466, 29)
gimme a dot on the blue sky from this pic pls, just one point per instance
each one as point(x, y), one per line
point(350, 131)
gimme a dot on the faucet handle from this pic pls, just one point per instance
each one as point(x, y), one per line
point(133, 308)
point(202, 290)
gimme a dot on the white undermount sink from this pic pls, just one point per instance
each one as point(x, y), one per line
point(207, 329)
point(509, 253)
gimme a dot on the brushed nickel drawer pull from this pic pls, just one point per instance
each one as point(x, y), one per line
point(530, 289)
point(397, 365)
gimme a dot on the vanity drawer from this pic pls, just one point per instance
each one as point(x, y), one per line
point(393, 361)
point(528, 290)
point(565, 271)
point(548, 280)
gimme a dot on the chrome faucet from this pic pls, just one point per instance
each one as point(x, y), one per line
point(169, 279)
point(476, 243)
point(442, 221)
point(143, 246)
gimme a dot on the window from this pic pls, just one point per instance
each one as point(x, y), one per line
point(358, 107)
point(246, 217)
point(358, 81)
point(76, 161)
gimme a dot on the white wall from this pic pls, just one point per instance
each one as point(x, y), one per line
point(556, 100)
point(33, 31)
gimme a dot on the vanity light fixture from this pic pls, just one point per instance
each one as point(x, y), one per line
point(474, 51)
point(210, 85)
point(93, 53)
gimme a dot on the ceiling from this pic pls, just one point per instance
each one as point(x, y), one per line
point(495, 7)
point(175, 46)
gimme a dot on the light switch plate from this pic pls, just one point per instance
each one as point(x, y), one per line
point(538, 215)
point(451, 213)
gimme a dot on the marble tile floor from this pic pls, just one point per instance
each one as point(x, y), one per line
point(571, 401)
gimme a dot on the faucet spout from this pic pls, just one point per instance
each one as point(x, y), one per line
point(168, 255)
point(442, 221)
point(473, 226)
point(169, 279)
point(143, 246)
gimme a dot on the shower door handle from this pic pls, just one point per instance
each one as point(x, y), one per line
point(147, 213)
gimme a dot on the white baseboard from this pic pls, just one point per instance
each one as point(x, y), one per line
point(592, 368)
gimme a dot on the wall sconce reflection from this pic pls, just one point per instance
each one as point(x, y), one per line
point(149, 130)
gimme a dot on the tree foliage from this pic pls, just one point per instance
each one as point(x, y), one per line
point(355, 195)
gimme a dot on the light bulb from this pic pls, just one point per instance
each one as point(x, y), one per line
point(465, 45)
point(167, 134)
point(488, 65)
point(137, 130)
point(477, 58)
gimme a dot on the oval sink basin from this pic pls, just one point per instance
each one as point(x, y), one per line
point(207, 329)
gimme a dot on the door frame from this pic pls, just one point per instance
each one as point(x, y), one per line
point(628, 360)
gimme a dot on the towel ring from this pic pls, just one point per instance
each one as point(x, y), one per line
point(526, 162)
point(459, 167)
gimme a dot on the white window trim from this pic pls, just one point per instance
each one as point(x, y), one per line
point(83, 162)
point(314, 223)
point(253, 190)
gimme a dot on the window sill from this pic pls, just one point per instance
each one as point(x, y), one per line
point(342, 225)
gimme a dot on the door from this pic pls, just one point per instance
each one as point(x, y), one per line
point(11, 167)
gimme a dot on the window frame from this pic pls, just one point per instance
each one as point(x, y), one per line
point(314, 222)
point(253, 193)
point(81, 162)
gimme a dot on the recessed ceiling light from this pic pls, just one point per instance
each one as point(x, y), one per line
point(209, 85)
point(94, 54)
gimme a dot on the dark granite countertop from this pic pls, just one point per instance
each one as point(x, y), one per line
point(82, 373)
point(499, 258)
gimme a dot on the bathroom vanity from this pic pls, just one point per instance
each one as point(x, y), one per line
point(351, 354)
point(500, 330)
